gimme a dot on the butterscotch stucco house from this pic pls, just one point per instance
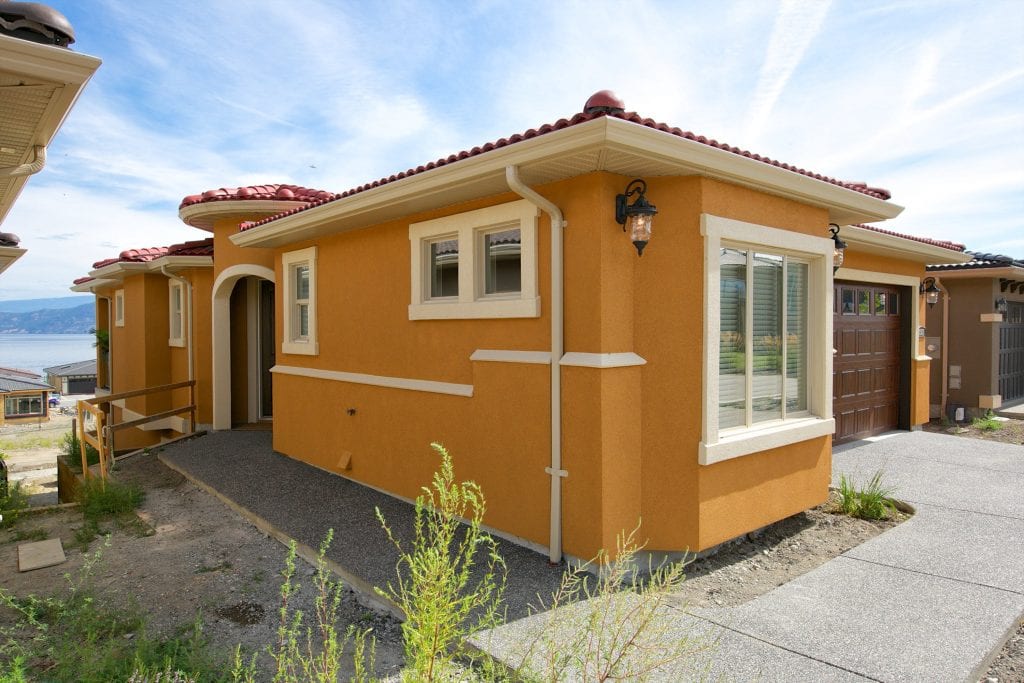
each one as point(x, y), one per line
point(491, 301)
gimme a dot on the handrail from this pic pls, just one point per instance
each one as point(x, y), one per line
point(103, 439)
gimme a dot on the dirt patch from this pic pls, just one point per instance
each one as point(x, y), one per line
point(749, 568)
point(1010, 431)
point(1008, 666)
point(200, 558)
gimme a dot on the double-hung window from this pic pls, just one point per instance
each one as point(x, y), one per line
point(477, 264)
point(176, 306)
point(767, 338)
point(299, 275)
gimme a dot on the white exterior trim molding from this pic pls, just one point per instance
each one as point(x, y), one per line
point(429, 386)
point(602, 360)
point(221, 333)
point(291, 342)
point(503, 356)
point(892, 279)
point(818, 251)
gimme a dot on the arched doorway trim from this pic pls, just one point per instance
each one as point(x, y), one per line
point(222, 287)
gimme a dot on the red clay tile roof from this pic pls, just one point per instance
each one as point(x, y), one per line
point(953, 246)
point(81, 280)
point(278, 192)
point(193, 248)
point(605, 108)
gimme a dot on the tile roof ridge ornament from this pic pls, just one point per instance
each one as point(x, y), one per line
point(604, 102)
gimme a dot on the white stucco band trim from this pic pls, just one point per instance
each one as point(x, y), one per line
point(429, 386)
point(508, 356)
point(602, 360)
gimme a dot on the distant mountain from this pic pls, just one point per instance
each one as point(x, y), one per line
point(77, 320)
point(30, 305)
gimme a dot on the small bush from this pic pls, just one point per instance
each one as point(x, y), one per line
point(100, 499)
point(13, 502)
point(987, 423)
point(72, 454)
point(871, 502)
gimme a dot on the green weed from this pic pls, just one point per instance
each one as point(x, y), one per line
point(987, 423)
point(13, 502)
point(871, 502)
point(98, 499)
point(72, 454)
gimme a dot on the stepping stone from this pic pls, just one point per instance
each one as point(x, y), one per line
point(40, 554)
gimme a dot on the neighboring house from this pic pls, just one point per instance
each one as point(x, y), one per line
point(73, 378)
point(40, 79)
point(491, 301)
point(24, 395)
point(976, 334)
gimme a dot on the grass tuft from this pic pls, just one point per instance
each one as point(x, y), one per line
point(871, 502)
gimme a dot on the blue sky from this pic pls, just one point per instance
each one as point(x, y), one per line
point(924, 98)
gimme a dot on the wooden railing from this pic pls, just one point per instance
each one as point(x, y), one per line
point(103, 439)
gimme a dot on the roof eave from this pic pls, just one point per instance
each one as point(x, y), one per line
point(1008, 272)
point(882, 244)
point(203, 214)
point(8, 255)
point(604, 144)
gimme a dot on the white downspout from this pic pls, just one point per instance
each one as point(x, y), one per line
point(188, 316)
point(31, 168)
point(557, 350)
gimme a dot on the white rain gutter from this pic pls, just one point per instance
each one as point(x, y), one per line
point(557, 350)
point(188, 308)
point(35, 166)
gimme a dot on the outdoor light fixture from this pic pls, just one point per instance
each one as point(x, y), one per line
point(839, 251)
point(635, 217)
point(1001, 305)
point(930, 291)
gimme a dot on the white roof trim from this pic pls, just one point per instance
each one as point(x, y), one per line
point(874, 242)
point(203, 214)
point(545, 157)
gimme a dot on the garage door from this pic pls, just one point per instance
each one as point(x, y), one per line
point(1011, 353)
point(82, 386)
point(866, 366)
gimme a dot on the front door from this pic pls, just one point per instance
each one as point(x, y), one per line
point(266, 348)
point(1011, 353)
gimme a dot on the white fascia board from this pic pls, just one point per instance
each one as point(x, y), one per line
point(690, 157)
point(871, 241)
point(179, 262)
point(1008, 272)
point(46, 62)
point(119, 271)
point(718, 163)
point(91, 286)
point(204, 214)
point(436, 181)
point(8, 255)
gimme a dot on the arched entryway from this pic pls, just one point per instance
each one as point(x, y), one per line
point(243, 345)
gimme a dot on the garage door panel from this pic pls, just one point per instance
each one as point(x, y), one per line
point(866, 367)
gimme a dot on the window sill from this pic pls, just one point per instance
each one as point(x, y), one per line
point(300, 348)
point(176, 342)
point(763, 439)
point(486, 308)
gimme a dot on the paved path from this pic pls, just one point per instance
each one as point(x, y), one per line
point(930, 600)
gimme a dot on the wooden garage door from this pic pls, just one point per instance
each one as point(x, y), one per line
point(866, 366)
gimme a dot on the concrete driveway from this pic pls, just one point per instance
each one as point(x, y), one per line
point(930, 600)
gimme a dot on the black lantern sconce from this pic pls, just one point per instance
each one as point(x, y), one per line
point(930, 291)
point(839, 250)
point(636, 217)
point(1001, 305)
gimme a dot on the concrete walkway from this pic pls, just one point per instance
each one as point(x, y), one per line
point(930, 600)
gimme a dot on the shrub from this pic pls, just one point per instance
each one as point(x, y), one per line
point(69, 449)
point(987, 423)
point(101, 499)
point(445, 601)
point(13, 502)
point(871, 502)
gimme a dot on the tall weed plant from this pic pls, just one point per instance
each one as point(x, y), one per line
point(449, 579)
point(873, 501)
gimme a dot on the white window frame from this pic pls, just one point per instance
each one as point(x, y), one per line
point(292, 341)
point(119, 308)
point(718, 445)
point(175, 315)
point(469, 228)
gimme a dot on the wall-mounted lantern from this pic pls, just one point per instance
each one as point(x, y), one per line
point(636, 218)
point(1001, 305)
point(839, 249)
point(930, 291)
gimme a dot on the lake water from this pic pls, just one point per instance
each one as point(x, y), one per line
point(37, 351)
